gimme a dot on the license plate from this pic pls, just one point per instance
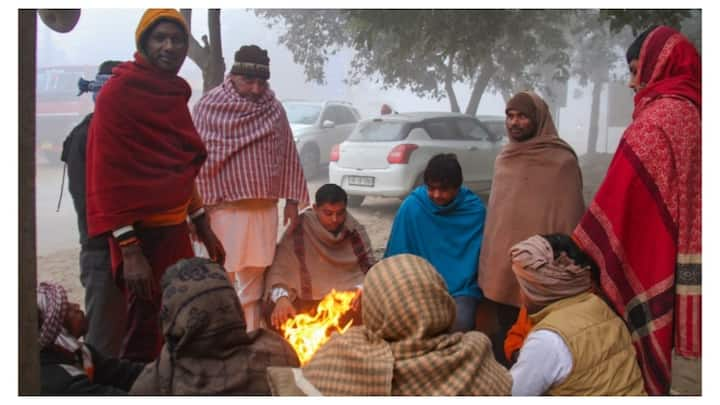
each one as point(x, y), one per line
point(363, 181)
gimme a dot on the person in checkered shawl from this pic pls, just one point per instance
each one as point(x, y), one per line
point(404, 346)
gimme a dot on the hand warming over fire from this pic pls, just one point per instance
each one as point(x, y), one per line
point(284, 310)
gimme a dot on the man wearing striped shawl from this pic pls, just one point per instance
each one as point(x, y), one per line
point(252, 163)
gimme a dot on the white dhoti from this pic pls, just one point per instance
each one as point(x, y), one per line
point(248, 232)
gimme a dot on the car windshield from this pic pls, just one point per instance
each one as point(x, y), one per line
point(377, 130)
point(300, 113)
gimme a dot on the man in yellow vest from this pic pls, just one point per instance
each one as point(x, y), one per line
point(576, 345)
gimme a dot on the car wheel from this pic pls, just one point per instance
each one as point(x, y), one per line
point(309, 159)
point(355, 200)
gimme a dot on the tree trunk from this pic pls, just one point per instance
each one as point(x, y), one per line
point(196, 53)
point(594, 117)
point(479, 88)
point(207, 56)
point(506, 95)
point(215, 71)
point(29, 378)
point(454, 106)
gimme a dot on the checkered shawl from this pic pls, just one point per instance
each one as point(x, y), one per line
point(403, 347)
point(251, 152)
point(53, 304)
point(207, 349)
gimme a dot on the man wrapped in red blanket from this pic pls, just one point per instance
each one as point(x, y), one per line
point(143, 155)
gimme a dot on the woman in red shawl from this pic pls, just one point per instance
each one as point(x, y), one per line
point(143, 155)
point(643, 227)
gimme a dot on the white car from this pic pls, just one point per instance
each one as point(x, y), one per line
point(316, 127)
point(386, 156)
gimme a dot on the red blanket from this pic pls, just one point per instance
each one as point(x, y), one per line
point(143, 151)
point(643, 227)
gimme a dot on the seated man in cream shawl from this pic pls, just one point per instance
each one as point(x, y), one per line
point(327, 249)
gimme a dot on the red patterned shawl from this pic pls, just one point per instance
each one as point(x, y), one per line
point(644, 228)
point(143, 152)
point(251, 152)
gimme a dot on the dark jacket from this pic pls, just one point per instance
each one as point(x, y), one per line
point(73, 154)
point(61, 374)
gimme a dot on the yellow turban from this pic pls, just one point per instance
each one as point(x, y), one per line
point(152, 15)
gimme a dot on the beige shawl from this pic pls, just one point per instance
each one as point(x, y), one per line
point(543, 278)
point(536, 189)
point(403, 348)
point(326, 261)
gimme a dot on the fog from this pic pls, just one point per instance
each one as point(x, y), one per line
point(103, 34)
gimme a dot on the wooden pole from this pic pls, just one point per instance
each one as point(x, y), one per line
point(29, 376)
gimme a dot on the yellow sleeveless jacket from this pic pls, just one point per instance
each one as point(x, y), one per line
point(604, 361)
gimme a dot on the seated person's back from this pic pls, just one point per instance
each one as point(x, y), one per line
point(207, 349)
point(403, 347)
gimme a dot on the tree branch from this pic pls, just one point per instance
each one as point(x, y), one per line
point(196, 52)
point(479, 87)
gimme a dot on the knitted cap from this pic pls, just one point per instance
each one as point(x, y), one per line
point(251, 61)
point(523, 102)
point(152, 16)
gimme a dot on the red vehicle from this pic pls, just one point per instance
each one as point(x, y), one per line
point(59, 108)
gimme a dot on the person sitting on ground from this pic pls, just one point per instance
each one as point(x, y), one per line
point(67, 365)
point(577, 345)
point(327, 249)
point(207, 349)
point(404, 346)
point(442, 221)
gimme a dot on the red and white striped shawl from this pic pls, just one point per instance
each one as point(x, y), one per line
point(251, 152)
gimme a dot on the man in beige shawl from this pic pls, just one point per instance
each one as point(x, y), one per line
point(403, 346)
point(328, 249)
point(536, 189)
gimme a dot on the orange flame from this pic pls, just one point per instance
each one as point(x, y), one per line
point(306, 333)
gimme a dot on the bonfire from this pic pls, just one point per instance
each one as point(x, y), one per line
point(306, 333)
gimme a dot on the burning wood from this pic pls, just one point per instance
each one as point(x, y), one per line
point(307, 332)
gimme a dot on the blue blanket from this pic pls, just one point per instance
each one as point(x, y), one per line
point(448, 236)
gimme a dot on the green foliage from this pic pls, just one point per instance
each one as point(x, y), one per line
point(640, 20)
point(428, 51)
